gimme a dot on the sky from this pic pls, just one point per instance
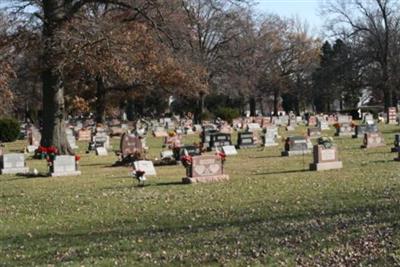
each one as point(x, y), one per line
point(304, 9)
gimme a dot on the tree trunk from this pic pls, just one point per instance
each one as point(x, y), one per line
point(276, 101)
point(252, 102)
point(53, 132)
point(101, 100)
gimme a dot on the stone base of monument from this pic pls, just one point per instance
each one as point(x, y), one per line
point(372, 146)
point(344, 134)
point(246, 146)
point(70, 173)
point(165, 162)
point(270, 144)
point(205, 179)
point(294, 153)
point(326, 166)
point(14, 170)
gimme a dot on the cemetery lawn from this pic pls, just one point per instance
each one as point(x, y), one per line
point(272, 212)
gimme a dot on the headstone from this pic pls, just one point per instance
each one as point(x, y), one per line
point(71, 138)
point(117, 131)
point(146, 166)
point(345, 129)
point(167, 154)
point(34, 138)
point(296, 145)
point(284, 119)
point(372, 140)
point(392, 115)
point(220, 140)
point(205, 169)
point(245, 140)
point(344, 119)
point(160, 132)
point(253, 127)
point(314, 132)
point(101, 151)
point(190, 150)
point(368, 119)
point(13, 163)
point(84, 135)
point(325, 158)
point(312, 121)
point(362, 129)
point(64, 166)
point(270, 136)
point(229, 150)
point(173, 141)
point(323, 124)
point(131, 145)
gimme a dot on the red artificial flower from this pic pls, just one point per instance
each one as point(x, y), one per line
point(221, 155)
point(77, 158)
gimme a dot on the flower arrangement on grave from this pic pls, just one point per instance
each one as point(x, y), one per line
point(337, 125)
point(326, 142)
point(222, 156)
point(140, 176)
point(187, 161)
point(48, 153)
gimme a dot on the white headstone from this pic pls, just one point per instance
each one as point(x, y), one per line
point(146, 166)
point(229, 150)
point(101, 151)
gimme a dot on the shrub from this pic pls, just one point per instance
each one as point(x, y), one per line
point(227, 114)
point(9, 130)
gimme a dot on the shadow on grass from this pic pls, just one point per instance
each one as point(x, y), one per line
point(24, 176)
point(265, 157)
point(170, 183)
point(281, 172)
point(295, 232)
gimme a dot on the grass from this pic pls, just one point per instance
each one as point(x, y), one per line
point(272, 212)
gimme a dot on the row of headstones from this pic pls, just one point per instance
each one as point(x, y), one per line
point(14, 163)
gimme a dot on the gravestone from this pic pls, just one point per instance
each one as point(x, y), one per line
point(167, 154)
point(345, 129)
point(84, 135)
point(312, 121)
point(64, 166)
point(117, 131)
point(101, 151)
point(220, 140)
point(284, 120)
point(362, 129)
point(372, 140)
point(245, 140)
point(160, 132)
point(296, 145)
point(71, 138)
point(331, 120)
point(314, 132)
point(188, 150)
point(173, 141)
point(325, 158)
point(205, 169)
point(344, 119)
point(98, 140)
point(251, 127)
point(34, 138)
point(368, 119)
point(146, 166)
point(392, 115)
point(323, 124)
point(13, 163)
point(197, 128)
point(229, 150)
point(396, 143)
point(131, 146)
point(270, 136)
